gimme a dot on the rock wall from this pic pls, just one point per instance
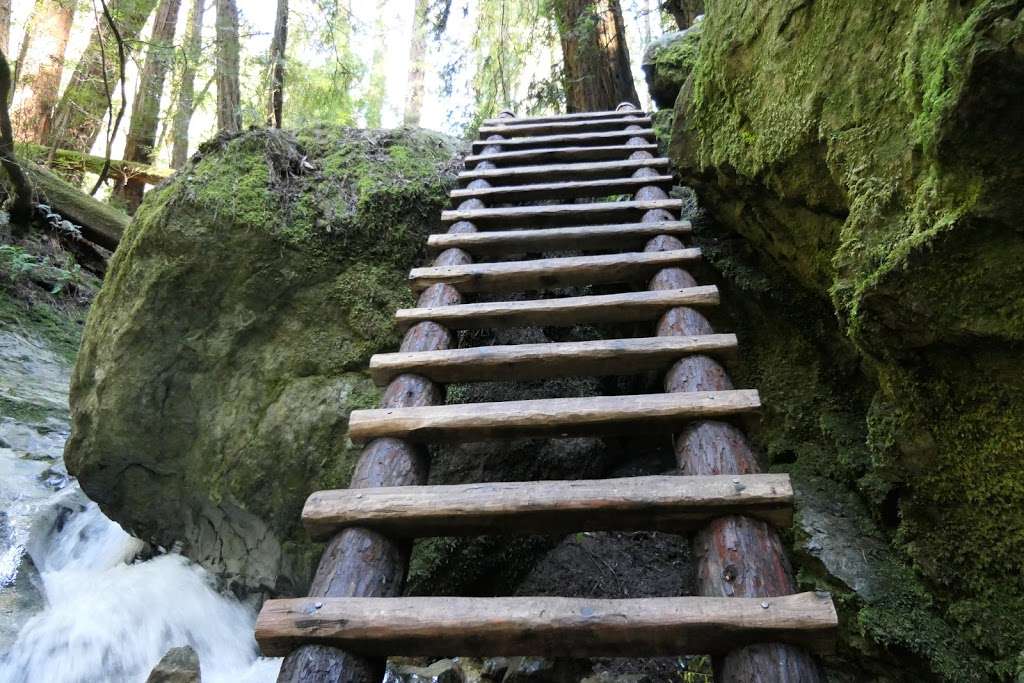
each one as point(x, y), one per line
point(229, 342)
point(861, 165)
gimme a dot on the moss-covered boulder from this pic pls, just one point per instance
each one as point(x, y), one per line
point(871, 155)
point(228, 344)
point(668, 61)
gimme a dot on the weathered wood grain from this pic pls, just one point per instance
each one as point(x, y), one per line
point(517, 175)
point(517, 129)
point(574, 139)
point(553, 359)
point(611, 114)
point(545, 626)
point(558, 214)
point(667, 503)
point(559, 154)
point(565, 311)
point(561, 190)
point(548, 273)
point(624, 236)
point(548, 416)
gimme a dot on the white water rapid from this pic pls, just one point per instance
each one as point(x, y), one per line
point(75, 605)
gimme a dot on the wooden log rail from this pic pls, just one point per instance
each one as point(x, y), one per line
point(747, 614)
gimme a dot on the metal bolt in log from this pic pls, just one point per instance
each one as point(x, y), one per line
point(360, 562)
point(736, 556)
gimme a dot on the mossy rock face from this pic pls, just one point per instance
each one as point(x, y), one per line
point(668, 61)
point(228, 344)
point(869, 154)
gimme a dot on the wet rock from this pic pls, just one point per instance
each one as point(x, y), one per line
point(179, 665)
point(443, 671)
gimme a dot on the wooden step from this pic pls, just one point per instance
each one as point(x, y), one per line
point(574, 139)
point(557, 359)
point(632, 236)
point(584, 115)
point(595, 415)
point(558, 214)
point(512, 127)
point(549, 273)
point(553, 154)
point(514, 175)
point(675, 504)
point(560, 312)
point(546, 626)
point(561, 190)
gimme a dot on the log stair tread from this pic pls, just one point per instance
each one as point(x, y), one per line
point(507, 129)
point(668, 503)
point(546, 626)
point(586, 416)
point(581, 139)
point(563, 154)
point(549, 273)
point(558, 214)
point(553, 359)
point(610, 114)
point(587, 237)
point(598, 169)
point(564, 311)
point(562, 190)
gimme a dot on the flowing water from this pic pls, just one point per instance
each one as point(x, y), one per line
point(75, 604)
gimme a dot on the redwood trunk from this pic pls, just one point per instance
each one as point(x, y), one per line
point(595, 55)
point(187, 86)
point(229, 108)
point(417, 66)
point(79, 116)
point(736, 556)
point(275, 103)
point(40, 68)
point(141, 141)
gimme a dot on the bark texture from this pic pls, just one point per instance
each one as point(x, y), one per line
point(417, 65)
point(141, 142)
point(41, 65)
point(229, 111)
point(187, 86)
point(5, 26)
point(79, 115)
point(595, 55)
point(278, 46)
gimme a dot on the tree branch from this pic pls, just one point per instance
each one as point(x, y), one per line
point(112, 128)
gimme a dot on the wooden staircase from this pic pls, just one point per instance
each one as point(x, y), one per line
point(747, 614)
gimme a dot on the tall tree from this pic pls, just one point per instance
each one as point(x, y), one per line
point(374, 100)
point(278, 47)
point(187, 84)
point(40, 67)
point(5, 26)
point(417, 64)
point(79, 115)
point(229, 106)
point(596, 65)
point(21, 202)
point(141, 140)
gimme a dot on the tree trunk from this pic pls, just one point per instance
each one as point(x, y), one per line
point(5, 26)
point(40, 67)
point(79, 116)
point(684, 11)
point(595, 55)
point(278, 46)
point(378, 74)
point(417, 65)
point(186, 94)
point(141, 141)
point(229, 107)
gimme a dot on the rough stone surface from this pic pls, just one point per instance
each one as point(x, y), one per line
point(228, 345)
point(668, 62)
point(179, 665)
point(865, 153)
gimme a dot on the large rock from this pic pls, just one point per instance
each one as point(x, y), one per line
point(228, 344)
point(668, 61)
point(871, 155)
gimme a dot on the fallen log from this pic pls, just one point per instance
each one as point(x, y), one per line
point(100, 223)
point(76, 162)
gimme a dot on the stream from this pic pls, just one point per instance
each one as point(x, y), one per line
point(76, 606)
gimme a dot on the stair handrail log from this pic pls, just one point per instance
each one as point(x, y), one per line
point(359, 562)
point(736, 556)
